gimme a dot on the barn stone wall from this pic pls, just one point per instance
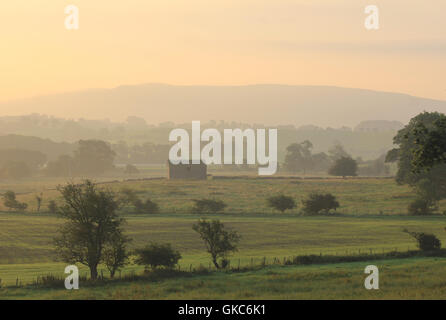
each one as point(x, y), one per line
point(187, 171)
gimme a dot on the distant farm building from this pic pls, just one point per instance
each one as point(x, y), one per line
point(187, 171)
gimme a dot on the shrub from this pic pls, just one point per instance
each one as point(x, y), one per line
point(146, 207)
point(10, 201)
point(52, 207)
point(127, 196)
point(209, 206)
point(344, 166)
point(425, 241)
point(281, 203)
point(50, 281)
point(421, 206)
point(131, 169)
point(158, 255)
point(318, 203)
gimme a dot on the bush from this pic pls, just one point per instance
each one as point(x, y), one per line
point(158, 255)
point(52, 207)
point(281, 203)
point(127, 196)
point(318, 203)
point(209, 206)
point(131, 169)
point(146, 207)
point(425, 241)
point(421, 207)
point(10, 201)
point(344, 166)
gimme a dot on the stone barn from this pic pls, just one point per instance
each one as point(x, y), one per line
point(187, 171)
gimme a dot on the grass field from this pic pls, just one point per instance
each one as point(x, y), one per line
point(26, 250)
point(372, 217)
point(399, 279)
point(248, 196)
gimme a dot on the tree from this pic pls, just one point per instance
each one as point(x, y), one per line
point(422, 206)
point(321, 162)
point(219, 242)
point(344, 166)
point(10, 201)
point(209, 206)
point(32, 159)
point(52, 207)
point(15, 170)
point(337, 152)
point(64, 166)
point(147, 206)
point(116, 255)
point(299, 156)
point(430, 144)
point(127, 196)
point(425, 241)
point(92, 223)
point(158, 255)
point(281, 202)
point(131, 169)
point(415, 148)
point(317, 203)
point(375, 167)
point(39, 199)
point(93, 157)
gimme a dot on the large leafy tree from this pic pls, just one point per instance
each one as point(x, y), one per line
point(430, 144)
point(299, 156)
point(94, 157)
point(419, 155)
point(93, 224)
point(344, 166)
point(337, 152)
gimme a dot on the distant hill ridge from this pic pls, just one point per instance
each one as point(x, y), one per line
point(267, 104)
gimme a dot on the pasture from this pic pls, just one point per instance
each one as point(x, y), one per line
point(357, 196)
point(371, 219)
point(399, 279)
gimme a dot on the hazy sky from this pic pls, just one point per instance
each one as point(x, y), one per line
point(222, 42)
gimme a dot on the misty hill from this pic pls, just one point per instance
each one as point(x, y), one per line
point(47, 147)
point(266, 104)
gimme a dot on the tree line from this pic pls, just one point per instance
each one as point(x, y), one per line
point(300, 158)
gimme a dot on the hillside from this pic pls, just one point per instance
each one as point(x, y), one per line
point(268, 104)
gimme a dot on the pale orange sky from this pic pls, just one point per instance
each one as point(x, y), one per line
point(228, 42)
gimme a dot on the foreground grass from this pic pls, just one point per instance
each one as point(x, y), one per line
point(420, 278)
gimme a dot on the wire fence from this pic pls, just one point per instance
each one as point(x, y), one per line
point(255, 263)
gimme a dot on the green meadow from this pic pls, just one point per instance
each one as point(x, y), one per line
point(399, 279)
point(359, 196)
point(370, 220)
